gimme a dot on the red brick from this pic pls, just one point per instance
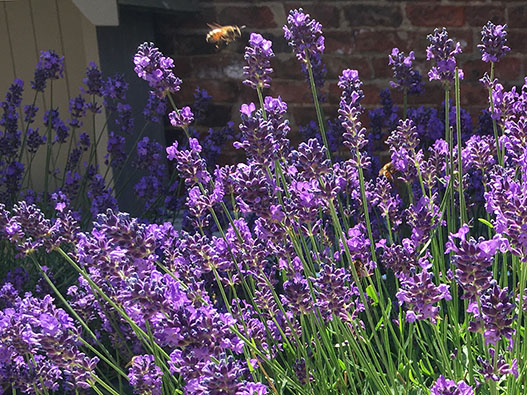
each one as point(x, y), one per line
point(301, 115)
point(480, 15)
point(435, 15)
point(474, 70)
point(509, 69)
point(334, 93)
point(252, 16)
point(373, 15)
point(222, 65)
point(473, 95)
point(432, 96)
point(291, 91)
point(340, 43)
point(371, 94)
point(516, 40)
point(190, 44)
point(287, 67)
point(381, 68)
point(218, 115)
point(222, 91)
point(183, 67)
point(378, 41)
point(517, 16)
point(335, 65)
point(465, 37)
point(191, 20)
point(328, 15)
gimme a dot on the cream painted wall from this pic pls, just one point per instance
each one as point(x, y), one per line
point(26, 28)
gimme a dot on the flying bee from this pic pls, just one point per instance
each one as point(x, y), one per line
point(360, 268)
point(131, 362)
point(223, 34)
point(387, 171)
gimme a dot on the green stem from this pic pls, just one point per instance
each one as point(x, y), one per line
point(318, 110)
point(405, 103)
point(48, 148)
point(24, 140)
point(128, 157)
point(501, 159)
point(462, 208)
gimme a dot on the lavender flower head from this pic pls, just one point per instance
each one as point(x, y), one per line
point(421, 294)
point(498, 314)
point(145, 376)
point(93, 80)
point(443, 49)
point(181, 118)
point(472, 260)
point(304, 35)
point(405, 76)
point(258, 57)
point(156, 69)
point(493, 42)
point(444, 386)
point(49, 67)
point(350, 110)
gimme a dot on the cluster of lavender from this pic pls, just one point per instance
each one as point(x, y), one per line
point(40, 346)
point(72, 146)
point(297, 271)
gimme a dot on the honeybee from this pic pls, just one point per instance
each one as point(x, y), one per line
point(360, 268)
point(223, 34)
point(387, 171)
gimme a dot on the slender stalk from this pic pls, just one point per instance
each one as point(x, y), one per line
point(260, 98)
point(128, 157)
point(405, 103)
point(318, 109)
point(501, 158)
point(462, 208)
point(48, 147)
point(26, 127)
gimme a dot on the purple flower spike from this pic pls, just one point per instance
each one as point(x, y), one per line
point(304, 35)
point(497, 313)
point(49, 67)
point(350, 110)
point(93, 80)
point(335, 294)
point(472, 260)
point(181, 118)
point(156, 69)
point(443, 49)
point(258, 57)
point(493, 42)
point(444, 386)
point(34, 140)
point(420, 292)
point(296, 295)
point(189, 163)
point(145, 376)
point(406, 78)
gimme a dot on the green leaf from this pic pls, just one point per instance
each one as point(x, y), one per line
point(379, 324)
point(370, 291)
point(485, 222)
point(342, 364)
point(423, 368)
point(411, 377)
point(249, 364)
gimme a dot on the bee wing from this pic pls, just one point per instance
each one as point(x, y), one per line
point(213, 26)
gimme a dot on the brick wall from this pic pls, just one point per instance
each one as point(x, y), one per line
point(359, 35)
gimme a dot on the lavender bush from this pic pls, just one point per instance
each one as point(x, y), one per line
point(301, 270)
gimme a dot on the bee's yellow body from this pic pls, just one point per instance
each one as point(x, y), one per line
point(386, 171)
point(223, 34)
